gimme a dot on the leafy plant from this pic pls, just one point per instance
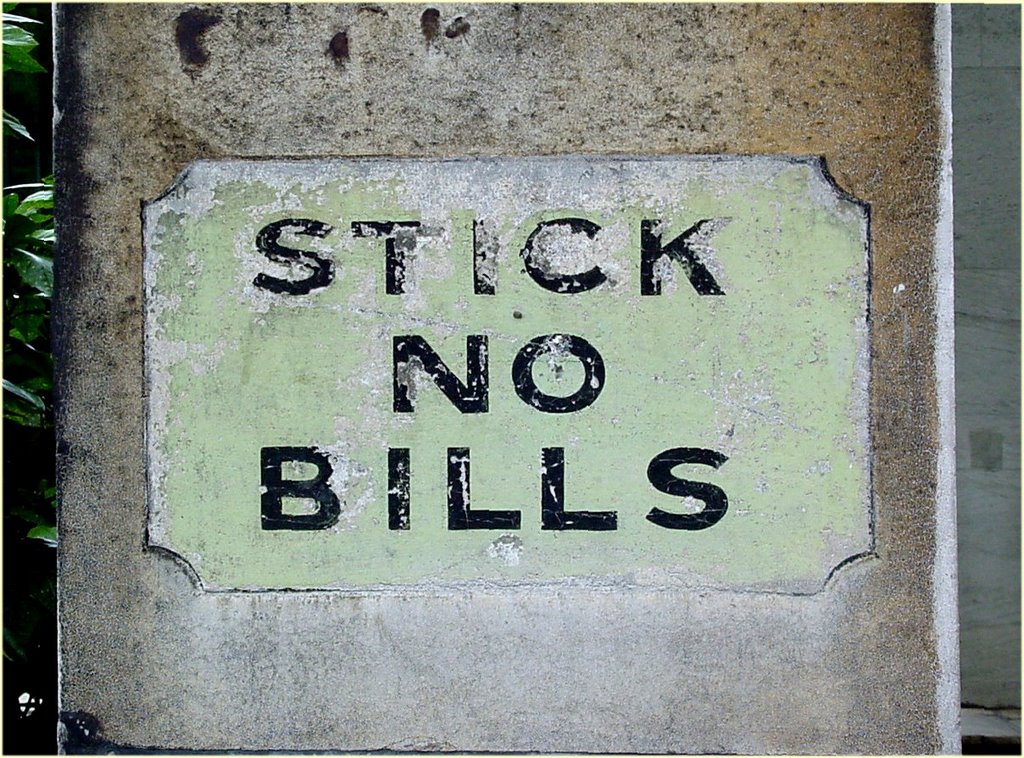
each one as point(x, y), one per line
point(29, 647)
point(18, 46)
point(28, 236)
point(28, 267)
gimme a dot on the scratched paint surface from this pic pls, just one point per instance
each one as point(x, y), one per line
point(772, 374)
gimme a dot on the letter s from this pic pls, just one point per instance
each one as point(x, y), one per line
point(659, 472)
point(321, 269)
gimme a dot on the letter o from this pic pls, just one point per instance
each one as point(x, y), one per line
point(529, 393)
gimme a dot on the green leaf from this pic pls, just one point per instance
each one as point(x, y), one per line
point(22, 412)
point(13, 126)
point(19, 58)
point(35, 201)
point(29, 397)
point(17, 231)
point(10, 18)
point(26, 319)
point(15, 36)
point(27, 359)
point(35, 270)
point(40, 218)
point(26, 512)
point(23, 416)
point(26, 328)
point(44, 235)
point(38, 384)
point(47, 534)
point(11, 203)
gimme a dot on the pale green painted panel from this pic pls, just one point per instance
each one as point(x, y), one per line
point(772, 374)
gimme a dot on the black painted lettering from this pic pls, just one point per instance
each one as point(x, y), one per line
point(659, 472)
point(460, 515)
point(682, 251)
point(320, 269)
point(276, 488)
point(553, 515)
point(399, 243)
point(398, 488)
point(470, 397)
point(558, 345)
point(535, 258)
point(485, 260)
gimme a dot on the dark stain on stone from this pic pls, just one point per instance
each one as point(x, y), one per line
point(456, 28)
point(986, 450)
point(430, 24)
point(367, 8)
point(189, 29)
point(338, 47)
point(72, 190)
point(81, 731)
point(179, 143)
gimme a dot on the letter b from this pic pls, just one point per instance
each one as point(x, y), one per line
point(276, 488)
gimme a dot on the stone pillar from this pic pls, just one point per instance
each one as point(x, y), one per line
point(670, 285)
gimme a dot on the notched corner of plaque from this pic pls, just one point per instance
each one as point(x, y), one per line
point(179, 182)
point(858, 550)
point(198, 177)
point(157, 544)
point(820, 164)
point(865, 556)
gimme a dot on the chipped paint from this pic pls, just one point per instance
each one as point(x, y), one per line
point(772, 374)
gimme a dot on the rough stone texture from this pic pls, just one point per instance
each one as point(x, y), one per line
point(147, 660)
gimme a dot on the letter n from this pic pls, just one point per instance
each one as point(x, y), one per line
point(468, 397)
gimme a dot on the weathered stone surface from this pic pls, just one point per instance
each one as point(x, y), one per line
point(150, 659)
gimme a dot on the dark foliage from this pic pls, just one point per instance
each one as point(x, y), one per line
point(30, 626)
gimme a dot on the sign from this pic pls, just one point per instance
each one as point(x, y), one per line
point(380, 373)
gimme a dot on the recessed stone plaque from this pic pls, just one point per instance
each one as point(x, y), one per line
point(377, 373)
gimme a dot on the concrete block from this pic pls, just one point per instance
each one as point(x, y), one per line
point(966, 26)
point(990, 584)
point(988, 353)
point(1000, 36)
point(831, 642)
point(987, 169)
